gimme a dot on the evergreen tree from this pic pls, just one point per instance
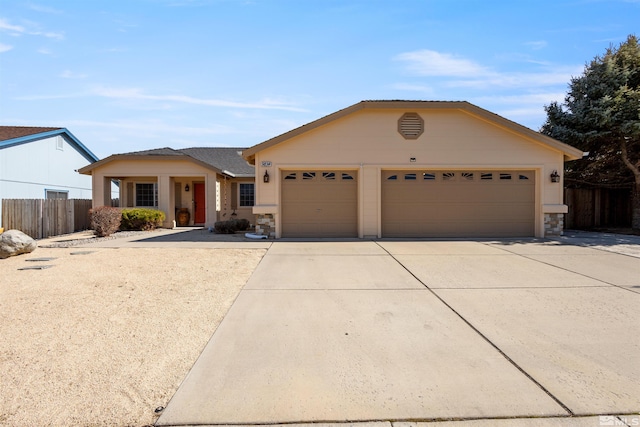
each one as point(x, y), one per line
point(601, 115)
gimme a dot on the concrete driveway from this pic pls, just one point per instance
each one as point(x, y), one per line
point(484, 333)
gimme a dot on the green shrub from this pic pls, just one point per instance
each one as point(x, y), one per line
point(231, 226)
point(105, 220)
point(224, 227)
point(141, 219)
point(241, 224)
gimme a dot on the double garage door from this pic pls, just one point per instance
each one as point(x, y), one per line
point(324, 203)
point(458, 203)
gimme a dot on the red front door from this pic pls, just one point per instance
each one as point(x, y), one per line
point(200, 215)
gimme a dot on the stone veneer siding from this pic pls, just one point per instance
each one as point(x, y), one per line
point(553, 224)
point(266, 225)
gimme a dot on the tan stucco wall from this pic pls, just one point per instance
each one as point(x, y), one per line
point(368, 141)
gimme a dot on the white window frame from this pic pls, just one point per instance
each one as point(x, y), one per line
point(55, 194)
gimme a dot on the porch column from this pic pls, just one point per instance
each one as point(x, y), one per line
point(106, 188)
point(97, 195)
point(166, 199)
point(211, 199)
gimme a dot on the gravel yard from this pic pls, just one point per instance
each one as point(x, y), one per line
point(105, 336)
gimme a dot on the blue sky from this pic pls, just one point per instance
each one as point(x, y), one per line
point(139, 74)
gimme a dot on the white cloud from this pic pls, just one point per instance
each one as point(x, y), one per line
point(4, 25)
point(460, 72)
point(44, 9)
point(67, 74)
point(19, 30)
point(152, 127)
point(5, 47)
point(519, 80)
point(137, 94)
point(531, 98)
point(431, 63)
point(537, 45)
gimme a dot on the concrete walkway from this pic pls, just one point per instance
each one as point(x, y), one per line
point(514, 332)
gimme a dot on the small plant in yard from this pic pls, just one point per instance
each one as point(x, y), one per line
point(230, 227)
point(141, 219)
point(105, 220)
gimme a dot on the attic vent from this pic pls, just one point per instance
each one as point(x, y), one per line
point(410, 125)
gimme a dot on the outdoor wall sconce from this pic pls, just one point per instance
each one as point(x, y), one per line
point(186, 188)
point(555, 176)
point(265, 178)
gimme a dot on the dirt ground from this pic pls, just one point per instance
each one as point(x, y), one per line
point(105, 336)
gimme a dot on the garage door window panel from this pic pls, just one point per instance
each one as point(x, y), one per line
point(329, 176)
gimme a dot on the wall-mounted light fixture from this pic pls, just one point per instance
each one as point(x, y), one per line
point(265, 178)
point(186, 187)
point(555, 176)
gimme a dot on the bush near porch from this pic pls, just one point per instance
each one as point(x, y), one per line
point(141, 219)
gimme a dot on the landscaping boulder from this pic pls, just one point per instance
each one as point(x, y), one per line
point(15, 242)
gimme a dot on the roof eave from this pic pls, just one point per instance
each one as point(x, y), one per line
point(87, 170)
point(71, 139)
point(570, 153)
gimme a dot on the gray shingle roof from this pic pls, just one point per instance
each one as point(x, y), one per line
point(223, 158)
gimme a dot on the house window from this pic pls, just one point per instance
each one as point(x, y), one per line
point(59, 143)
point(56, 194)
point(428, 176)
point(147, 195)
point(247, 195)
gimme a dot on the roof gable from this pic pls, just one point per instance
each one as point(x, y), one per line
point(15, 135)
point(569, 152)
point(224, 160)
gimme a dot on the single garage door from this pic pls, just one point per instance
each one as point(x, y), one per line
point(319, 203)
point(458, 203)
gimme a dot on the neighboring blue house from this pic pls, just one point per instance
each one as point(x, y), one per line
point(41, 163)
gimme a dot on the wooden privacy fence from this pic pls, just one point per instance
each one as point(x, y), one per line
point(598, 207)
point(40, 218)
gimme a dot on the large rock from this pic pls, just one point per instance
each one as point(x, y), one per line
point(15, 242)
